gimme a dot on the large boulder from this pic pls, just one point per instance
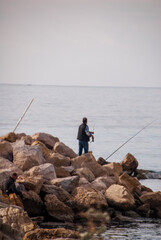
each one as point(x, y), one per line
point(57, 159)
point(87, 198)
point(32, 203)
point(14, 222)
point(57, 209)
point(129, 163)
point(46, 138)
point(129, 182)
point(61, 148)
point(102, 183)
point(68, 183)
point(89, 161)
point(48, 234)
point(153, 199)
point(118, 196)
point(26, 157)
point(113, 169)
point(45, 150)
point(10, 137)
point(85, 173)
point(61, 172)
point(6, 150)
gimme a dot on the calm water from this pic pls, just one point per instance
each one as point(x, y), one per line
point(115, 114)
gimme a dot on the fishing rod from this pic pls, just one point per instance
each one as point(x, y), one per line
point(23, 115)
point(130, 139)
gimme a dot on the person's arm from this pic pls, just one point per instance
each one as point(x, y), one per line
point(88, 133)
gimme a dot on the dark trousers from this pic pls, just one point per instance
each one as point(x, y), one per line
point(83, 145)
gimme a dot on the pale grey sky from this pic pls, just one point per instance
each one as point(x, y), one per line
point(81, 42)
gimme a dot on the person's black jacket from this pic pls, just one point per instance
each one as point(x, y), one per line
point(11, 188)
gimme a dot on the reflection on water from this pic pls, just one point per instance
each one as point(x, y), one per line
point(140, 229)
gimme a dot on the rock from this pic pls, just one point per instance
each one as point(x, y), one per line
point(152, 198)
point(61, 148)
point(6, 170)
point(6, 150)
point(61, 172)
point(144, 210)
point(51, 234)
point(15, 222)
point(45, 170)
point(83, 182)
point(10, 137)
point(68, 183)
point(119, 197)
point(32, 203)
point(45, 138)
point(129, 182)
point(57, 209)
point(85, 173)
point(129, 163)
point(87, 198)
point(57, 159)
point(113, 169)
point(88, 161)
point(103, 183)
point(20, 135)
point(132, 214)
point(102, 161)
point(27, 157)
point(44, 149)
point(59, 192)
point(27, 139)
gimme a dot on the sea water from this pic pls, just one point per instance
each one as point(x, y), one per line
point(114, 114)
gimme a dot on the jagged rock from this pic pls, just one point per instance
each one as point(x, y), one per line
point(103, 183)
point(129, 163)
point(45, 138)
point(61, 172)
point(57, 209)
point(51, 234)
point(6, 170)
point(87, 198)
point(118, 196)
point(83, 182)
point(68, 183)
point(44, 149)
point(6, 150)
point(59, 192)
point(57, 159)
point(10, 137)
point(88, 161)
point(152, 198)
point(144, 210)
point(26, 157)
point(32, 203)
point(102, 161)
point(61, 148)
point(46, 170)
point(15, 222)
point(20, 135)
point(27, 139)
point(113, 169)
point(129, 182)
point(85, 173)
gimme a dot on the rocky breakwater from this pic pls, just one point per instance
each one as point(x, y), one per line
point(61, 187)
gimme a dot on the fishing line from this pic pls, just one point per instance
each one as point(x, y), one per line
point(130, 138)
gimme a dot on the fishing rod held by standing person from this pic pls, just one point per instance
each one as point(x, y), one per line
point(130, 139)
point(22, 115)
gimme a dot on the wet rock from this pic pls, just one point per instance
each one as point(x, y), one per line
point(6, 150)
point(51, 234)
point(129, 164)
point(144, 210)
point(62, 149)
point(45, 138)
point(57, 209)
point(87, 198)
point(26, 157)
point(68, 183)
point(57, 159)
point(85, 173)
point(153, 199)
point(88, 161)
point(118, 196)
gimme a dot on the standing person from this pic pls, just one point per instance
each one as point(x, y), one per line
point(84, 136)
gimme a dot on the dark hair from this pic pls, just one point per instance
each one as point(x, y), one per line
point(84, 120)
point(14, 174)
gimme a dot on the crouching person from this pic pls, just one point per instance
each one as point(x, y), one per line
point(14, 190)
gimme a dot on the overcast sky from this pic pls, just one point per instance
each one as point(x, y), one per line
point(81, 42)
